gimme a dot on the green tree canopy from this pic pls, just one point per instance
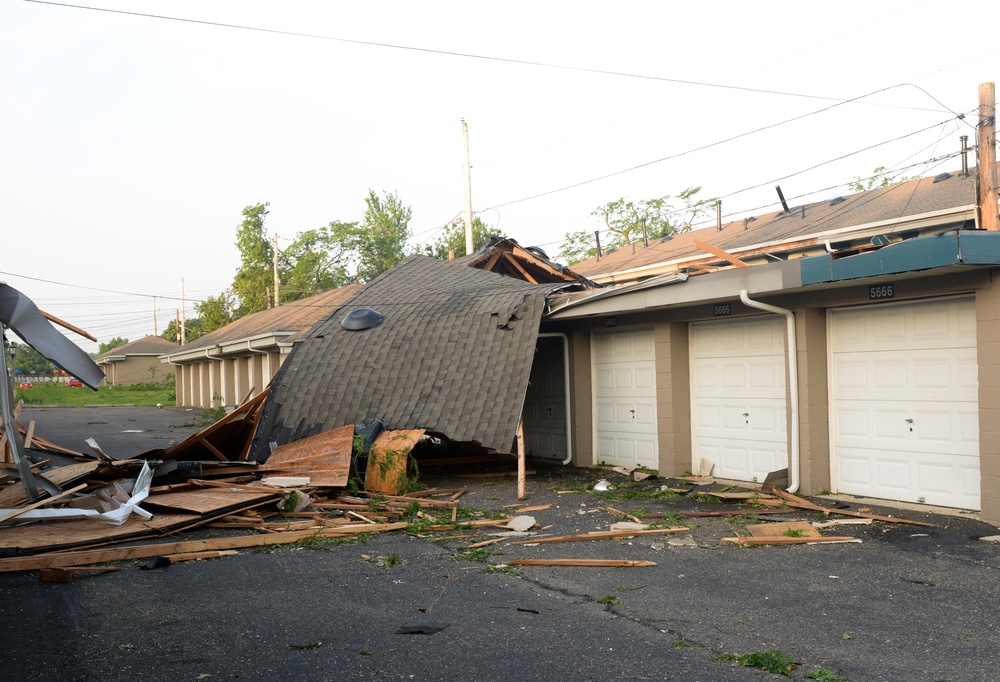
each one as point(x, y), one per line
point(29, 361)
point(110, 344)
point(217, 311)
point(192, 330)
point(255, 276)
point(318, 260)
point(452, 238)
point(878, 178)
point(384, 232)
point(623, 220)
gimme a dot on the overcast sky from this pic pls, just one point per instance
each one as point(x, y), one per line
point(130, 144)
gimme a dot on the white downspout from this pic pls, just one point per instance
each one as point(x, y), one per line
point(793, 383)
point(569, 419)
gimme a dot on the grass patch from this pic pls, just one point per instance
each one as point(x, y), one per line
point(480, 554)
point(55, 393)
point(504, 568)
point(794, 533)
point(634, 491)
point(772, 660)
point(609, 599)
point(824, 675)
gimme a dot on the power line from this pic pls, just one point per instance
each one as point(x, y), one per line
point(469, 55)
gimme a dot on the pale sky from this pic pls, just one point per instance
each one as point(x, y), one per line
point(131, 144)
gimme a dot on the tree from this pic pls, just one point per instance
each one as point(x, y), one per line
point(318, 260)
point(860, 184)
point(28, 361)
point(255, 276)
point(382, 238)
point(452, 238)
point(624, 219)
point(111, 343)
point(217, 311)
point(192, 330)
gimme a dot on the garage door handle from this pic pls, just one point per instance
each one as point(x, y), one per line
point(746, 414)
point(908, 421)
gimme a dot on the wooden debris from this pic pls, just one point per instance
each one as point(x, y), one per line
point(800, 503)
point(325, 457)
point(620, 514)
point(792, 529)
point(537, 507)
point(785, 540)
point(598, 563)
point(604, 535)
point(388, 460)
point(100, 556)
point(66, 575)
point(198, 556)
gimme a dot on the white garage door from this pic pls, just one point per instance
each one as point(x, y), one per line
point(625, 398)
point(904, 397)
point(738, 397)
point(545, 402)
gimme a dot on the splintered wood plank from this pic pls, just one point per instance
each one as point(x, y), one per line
point(792, 529)
point(208, 500)
point(325, 458)
point(597, 563)
point(99, 556)
point(388, 460)
point(604, 535)
point(781, 540)
point(62, 534)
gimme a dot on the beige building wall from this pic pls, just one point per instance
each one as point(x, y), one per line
point(582, 398)
point(673, 397)
point(132, 370)
point(814, 411)
point(988, 340)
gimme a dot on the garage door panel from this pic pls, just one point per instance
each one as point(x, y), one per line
point(738, 396)
point(625, 398)
point(904, 402)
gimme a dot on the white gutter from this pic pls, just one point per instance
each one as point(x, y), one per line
point(793, 384)
point(569, 419)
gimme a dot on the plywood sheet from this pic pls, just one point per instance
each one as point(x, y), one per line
point(325, 458)
point(208, 500)
point(388, 460)
point(802, 529)
point(63, 534)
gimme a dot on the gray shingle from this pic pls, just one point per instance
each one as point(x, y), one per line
point(452, 355)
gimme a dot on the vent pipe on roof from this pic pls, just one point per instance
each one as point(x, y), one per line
point(718, 215)
point(645, 233)
point(597, 238)
point(965, 155)
point(784, 204)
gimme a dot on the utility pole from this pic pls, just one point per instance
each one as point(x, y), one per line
point(277, 283)
point(177, 325)
point(987, 157)
point(469, 246)
point(183, 315)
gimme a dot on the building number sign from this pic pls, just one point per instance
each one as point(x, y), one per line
point(722, 309)
point(879, 292)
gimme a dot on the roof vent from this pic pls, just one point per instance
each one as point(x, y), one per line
point(836, 200)
point(363, 318)
point(610, 251)
point(666, 239)
point(942, 176)
point(536, 252)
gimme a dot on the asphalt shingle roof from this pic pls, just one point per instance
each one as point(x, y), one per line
point(452, 355)
point(295, 316)
point(911, 198)
point(147, 345)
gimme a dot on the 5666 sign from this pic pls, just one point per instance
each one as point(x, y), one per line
point(880, 291)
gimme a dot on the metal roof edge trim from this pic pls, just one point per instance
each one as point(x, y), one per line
point(959, 247)
point(198, 353)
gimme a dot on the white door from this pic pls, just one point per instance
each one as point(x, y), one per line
point(545, 402)
point(904, 402)
point(738, 397)
point(625, 398)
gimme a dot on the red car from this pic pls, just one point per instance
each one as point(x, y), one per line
point(25, 385)
point(74, 383)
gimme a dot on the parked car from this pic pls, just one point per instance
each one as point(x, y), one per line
point(24, 385)
point(74, 383)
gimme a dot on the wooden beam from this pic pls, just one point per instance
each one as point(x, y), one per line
point(603, 535)
point(522, 491)
point(99, 556)
point(524, 273)
point(799, 503)
point(599, 563)
point(716, 251)
point(783, 540)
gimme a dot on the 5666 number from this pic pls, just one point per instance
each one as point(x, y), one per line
point(880, 291)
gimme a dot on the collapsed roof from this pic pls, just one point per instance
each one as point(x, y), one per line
point(451, 354)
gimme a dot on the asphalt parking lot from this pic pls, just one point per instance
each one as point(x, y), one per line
point(907, 603)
